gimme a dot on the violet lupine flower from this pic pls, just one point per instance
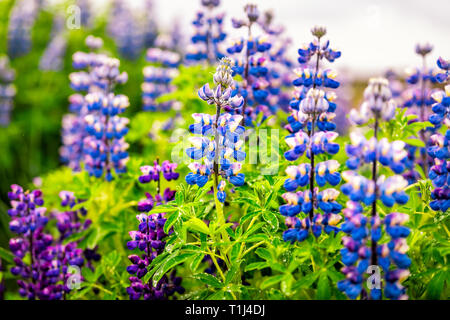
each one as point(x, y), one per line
point(158, 77)
point(128, 30)
point(104, 148)
point(21, 21)
point(45, 276)
point(361, 247)
point(418, 99)
point(312, 135)
point(73, 123)
point(438, 147)
point(218, 143)
point(7, 91)
point(70, 222)
point(150, 238)
point(208, 34)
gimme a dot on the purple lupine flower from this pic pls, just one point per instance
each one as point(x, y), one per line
point(418, 99)
point(218, 137)
point(208, 34)
point(361, 247)
point(21, 21)
point(312, 134)
point(149, 240)
point(158, 78)
point(40, 278)
point(97, 130)
point(53, 57)
point(438, 147)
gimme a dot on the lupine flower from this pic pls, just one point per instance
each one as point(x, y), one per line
point(52, 58)
point(45, 276)
point(149, 238)
point(438, 147)
point(418, 99)
point(157, 80)
point(378, 103)
point(21, 20)
point(98, 131)
point(218, 142)
point(208, 34)
point(361, 245)
point(312, 110)
point(129, 30)
point(7, 90)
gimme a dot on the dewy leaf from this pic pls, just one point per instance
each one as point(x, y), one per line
point(256, 266)
point(272, 219)
point(209, 280)
point(171, 219)
point(197, 225)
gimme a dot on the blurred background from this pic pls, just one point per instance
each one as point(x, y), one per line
point(38, 39)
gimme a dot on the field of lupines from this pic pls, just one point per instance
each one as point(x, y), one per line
point(144, 164)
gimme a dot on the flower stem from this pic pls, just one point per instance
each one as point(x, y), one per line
point(374, 204)
point(422, 117)
point(311, 135)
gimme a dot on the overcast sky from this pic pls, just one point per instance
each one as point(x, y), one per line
point(372, 35)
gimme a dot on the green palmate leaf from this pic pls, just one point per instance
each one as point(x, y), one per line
point(271, 281)
point(209, 280)
point(256, 266)
point(323, 288)
point(196, 224)
point(6, 255)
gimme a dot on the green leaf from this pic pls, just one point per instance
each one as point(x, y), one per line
point(306, 281)
point(163, 208)
point(256, 266)
point(209, 280)
point(197, 225)
point(171, 219)
point(415, 142)
point(196, 262)
point(6, 255)
point(323, 288)
point(272, 219)
point(170, 263)
point(436, 286)
point(271, 281)
point(264, 253)
point(179, 198)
